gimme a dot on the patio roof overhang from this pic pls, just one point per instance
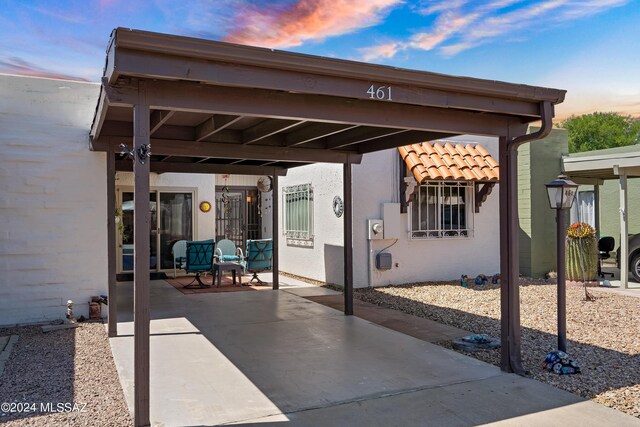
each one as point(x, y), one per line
point(238, 109)
point(602, 164)
point(210, 107)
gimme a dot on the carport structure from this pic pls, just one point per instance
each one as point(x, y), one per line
point(593, 168)
point(199, 106)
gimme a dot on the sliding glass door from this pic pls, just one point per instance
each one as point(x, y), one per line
point(171, 220)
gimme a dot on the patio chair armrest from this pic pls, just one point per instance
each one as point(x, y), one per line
point(240, 253)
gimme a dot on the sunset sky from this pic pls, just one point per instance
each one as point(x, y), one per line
point(589, 47)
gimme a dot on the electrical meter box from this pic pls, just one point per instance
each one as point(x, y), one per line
point(376, 229)
point(383, 261)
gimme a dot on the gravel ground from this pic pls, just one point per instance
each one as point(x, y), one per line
point(72, 366)
point(603, 335)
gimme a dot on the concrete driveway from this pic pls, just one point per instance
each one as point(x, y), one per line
point(273, 357)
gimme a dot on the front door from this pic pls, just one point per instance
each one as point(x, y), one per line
point(237, 215)
point(171, 219)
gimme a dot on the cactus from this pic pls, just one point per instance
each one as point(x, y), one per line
point(581, 253)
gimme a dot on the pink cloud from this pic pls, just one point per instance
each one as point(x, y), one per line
point(387, 50)
point(24, 68)
point(306, 20)
point(446, 26)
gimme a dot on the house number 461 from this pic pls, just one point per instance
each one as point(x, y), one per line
point(381, 92)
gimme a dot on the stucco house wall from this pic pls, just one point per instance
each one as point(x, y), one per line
point(53, 212)
point(375, 182)
point(538, 164)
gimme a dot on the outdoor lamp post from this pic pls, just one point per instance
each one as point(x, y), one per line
point(561, 193)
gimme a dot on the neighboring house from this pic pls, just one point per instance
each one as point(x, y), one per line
point(609, 195)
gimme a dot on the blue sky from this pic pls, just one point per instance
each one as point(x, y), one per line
point(589, 47)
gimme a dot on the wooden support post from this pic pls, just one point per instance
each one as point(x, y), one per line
point(348, 239)
point(624, 231)
point(141, 303)
point(509, 261)
point(275, 267)
point(111, 244)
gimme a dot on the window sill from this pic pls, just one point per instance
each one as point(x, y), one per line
point(435, 235)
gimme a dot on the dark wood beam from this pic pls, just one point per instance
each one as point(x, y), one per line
point(398, 140)
point(357, 136)
point(214, 124)
point(125, 129)
point(101, 114)
point(408, 86)
point(181, 167)
point(158, 118)
point(292, 106)
point(165, 147)
point(267, 128)
point(314, 132)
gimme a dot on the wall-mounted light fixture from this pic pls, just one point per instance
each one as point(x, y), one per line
point(205, 206)
point(143, 153)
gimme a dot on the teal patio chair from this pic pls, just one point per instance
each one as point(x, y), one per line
point(179, 253)
point(198, 260)
point(259, 255)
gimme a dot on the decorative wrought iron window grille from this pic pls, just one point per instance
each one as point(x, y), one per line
point(442, 210)
point(298, 211)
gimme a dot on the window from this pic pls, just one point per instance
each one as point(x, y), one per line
point(442, 210)
point(298, 212)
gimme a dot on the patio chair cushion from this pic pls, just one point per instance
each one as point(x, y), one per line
point(259, 254)
point(199, 256)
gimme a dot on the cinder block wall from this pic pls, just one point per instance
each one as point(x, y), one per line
point(53, 213)
point(538, 163)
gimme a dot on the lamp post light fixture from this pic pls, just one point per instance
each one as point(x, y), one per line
point(561, 193)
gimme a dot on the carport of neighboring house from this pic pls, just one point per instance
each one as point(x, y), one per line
point(593, 168)
point(198, 106)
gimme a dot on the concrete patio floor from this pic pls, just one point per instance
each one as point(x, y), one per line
point(274, 357)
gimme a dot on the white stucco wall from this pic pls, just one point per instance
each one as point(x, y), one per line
point(202, 184)
point(53, 213)
point(322, 261)
point(375, 182)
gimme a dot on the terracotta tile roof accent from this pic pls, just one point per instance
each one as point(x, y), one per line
point(442, 160)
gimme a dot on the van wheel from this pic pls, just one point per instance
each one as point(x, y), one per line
point(635, 267)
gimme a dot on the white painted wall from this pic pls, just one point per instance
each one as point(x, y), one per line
point(53, 213)
point(323, 261)
point(202, 184)
point(375, 182)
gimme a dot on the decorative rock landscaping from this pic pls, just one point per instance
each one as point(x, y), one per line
point(603, 335)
